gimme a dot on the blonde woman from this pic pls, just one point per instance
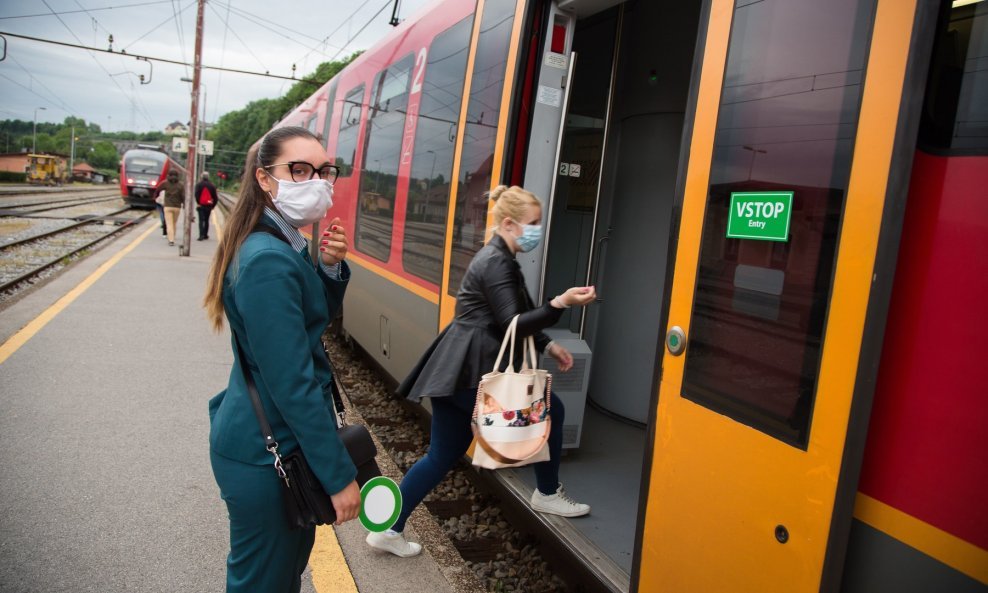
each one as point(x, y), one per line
point(278, 303)
point(491, 294)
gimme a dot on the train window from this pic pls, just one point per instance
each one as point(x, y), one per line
point(382, 153)
point(955, 110)
point(346, 143)
point(432, 160)
point(480, 137)
point(330, 102)
point(787, 124)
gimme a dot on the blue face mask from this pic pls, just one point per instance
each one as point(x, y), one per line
point(530, 236)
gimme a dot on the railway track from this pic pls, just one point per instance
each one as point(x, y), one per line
point(24, 205)
point(32, 246)
point(61, 230)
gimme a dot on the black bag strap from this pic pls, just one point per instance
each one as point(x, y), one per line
point(262, 227)
point(255, 399)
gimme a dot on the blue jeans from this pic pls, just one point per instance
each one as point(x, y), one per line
point(451, 437)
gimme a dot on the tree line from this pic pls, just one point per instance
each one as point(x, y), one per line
point(232, 134)
point(92, 144)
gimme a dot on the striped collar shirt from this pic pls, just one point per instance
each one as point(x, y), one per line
point(297, 241)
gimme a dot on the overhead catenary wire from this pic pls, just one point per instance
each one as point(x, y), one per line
point(338, 27)
point(103, 68)
point(55, 99)
point(155, 59)
point(242, 42)
point(268, 24)
point(159, 25)
point(219, 77)
point(86, 10)
point(181, 34)
point(367, 24)
point(28, 89)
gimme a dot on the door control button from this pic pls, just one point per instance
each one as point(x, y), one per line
point(676, 340)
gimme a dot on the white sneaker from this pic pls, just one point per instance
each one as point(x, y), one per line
point(394, 542)
point(558, 504)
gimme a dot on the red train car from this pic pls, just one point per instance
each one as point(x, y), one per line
point(142, 169)
point(801, 412)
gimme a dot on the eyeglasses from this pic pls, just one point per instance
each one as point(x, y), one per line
point(303, 171)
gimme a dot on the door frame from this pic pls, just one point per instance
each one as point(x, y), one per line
point(885, 140)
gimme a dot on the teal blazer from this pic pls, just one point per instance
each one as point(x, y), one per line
point(279, 305)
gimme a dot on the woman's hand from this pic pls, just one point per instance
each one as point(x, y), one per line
point(563, 357)
point(578, 295)
point(333, 246)
point(346, 502)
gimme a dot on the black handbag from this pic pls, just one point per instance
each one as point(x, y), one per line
point(306, 502)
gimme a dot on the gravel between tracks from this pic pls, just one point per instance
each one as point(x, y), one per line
point(472, 524)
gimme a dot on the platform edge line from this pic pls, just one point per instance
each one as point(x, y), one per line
point(330, 570)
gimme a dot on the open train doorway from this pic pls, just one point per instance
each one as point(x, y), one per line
point(610, 179)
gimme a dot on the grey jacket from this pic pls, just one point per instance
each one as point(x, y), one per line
point(491, 294)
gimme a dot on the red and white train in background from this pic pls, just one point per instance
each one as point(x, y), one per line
point(824, 426)
point(143, 169)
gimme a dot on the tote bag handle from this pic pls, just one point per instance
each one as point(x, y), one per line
point(529, 358)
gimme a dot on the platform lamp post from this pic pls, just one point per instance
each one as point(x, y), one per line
point(72, 155)
point(34, 136)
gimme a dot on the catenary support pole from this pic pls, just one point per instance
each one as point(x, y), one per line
point(191, 168)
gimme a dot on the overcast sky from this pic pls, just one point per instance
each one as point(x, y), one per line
point(253, 35)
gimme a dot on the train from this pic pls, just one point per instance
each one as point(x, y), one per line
point(782, 206)
point(142, 169)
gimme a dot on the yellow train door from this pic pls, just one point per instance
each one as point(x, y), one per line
point(796, 155)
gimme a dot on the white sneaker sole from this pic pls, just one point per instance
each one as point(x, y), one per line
point(559, 513)
point(414, 548)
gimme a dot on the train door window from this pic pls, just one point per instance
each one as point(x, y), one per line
point(480, 137)
point(432, 159)
point(787, 121)
point(330, 102)
point(382, 154)
point(955, 113)
point(346, 144)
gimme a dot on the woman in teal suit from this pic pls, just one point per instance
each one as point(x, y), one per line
point(278, 303)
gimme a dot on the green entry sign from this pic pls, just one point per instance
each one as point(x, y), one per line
point(760, 215)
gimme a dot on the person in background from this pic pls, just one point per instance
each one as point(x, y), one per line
point(277, 303)
point(206, 200)
point(174, 199)
point(159, 205)
point(491, 294)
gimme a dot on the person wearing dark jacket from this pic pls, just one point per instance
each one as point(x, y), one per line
point(491, 294)
point(206, 200)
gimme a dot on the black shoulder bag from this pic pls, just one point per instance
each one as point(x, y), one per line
point(306, 502)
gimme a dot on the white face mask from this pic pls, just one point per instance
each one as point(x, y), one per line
point(303, 202)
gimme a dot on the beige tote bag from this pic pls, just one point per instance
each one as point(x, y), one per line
point(511, 417)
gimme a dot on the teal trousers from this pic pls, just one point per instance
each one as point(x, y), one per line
point(265, 556)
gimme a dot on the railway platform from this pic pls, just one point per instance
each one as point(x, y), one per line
point(105, 373)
